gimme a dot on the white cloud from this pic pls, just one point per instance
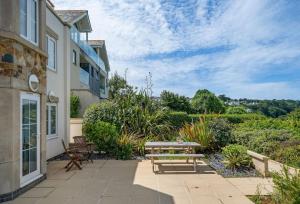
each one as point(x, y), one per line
point(259, 33)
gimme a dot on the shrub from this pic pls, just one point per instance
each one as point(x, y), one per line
point(205, 101)
point(261, 141)
point(174, 101)
point(125, 144)
point(136, 113)
point(221, 131)
point(104, 135)
point(103, 111)
point(178, 119)
point(197, 132)
point(286, 187)
point(232, 118)
point(289, 155)
point(236, 156)
point(75, 105)
point(236, 110)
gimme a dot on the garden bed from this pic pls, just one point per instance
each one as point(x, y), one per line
point(216, 162)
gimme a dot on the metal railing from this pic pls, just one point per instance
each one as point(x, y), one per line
point(87, 49)
point(84, 77)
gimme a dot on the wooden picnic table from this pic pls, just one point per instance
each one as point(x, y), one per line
point(187, 147)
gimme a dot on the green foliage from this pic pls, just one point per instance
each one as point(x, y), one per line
point(75, 106)
point(175, 102)
point(104, 135)
point(131, 112)
point(236, 110)
point(295, 115)
point(236, 156)
point(232, 118)
point(178, 119)
point(286, 187)
point(276, 138)
point(125, 145)
point(206, 102)
point(197, 132)
point(274, 108)
point(104, 111)
point(116, 84)
point(221, 130)
point(289, 155)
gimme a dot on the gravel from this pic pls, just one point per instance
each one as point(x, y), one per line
point(216, 162)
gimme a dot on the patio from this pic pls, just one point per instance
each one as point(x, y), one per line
point(115, 181)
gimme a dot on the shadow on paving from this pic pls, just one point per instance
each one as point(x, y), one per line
point(101, 182)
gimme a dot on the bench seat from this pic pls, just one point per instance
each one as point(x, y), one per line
point(176, 155)
point(194, 156)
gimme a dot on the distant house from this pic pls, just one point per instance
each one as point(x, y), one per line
point(44, 56)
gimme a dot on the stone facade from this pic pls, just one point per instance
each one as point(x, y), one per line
point(17, 63)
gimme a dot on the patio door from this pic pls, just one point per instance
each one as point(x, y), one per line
point(30, 138)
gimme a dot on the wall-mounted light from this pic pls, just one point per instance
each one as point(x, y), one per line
point(33, 83)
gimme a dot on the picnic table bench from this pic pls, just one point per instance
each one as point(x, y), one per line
point(187, 147)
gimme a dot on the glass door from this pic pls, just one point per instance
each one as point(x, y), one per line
point(30, 137)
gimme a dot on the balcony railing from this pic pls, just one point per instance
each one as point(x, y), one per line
point(87, 49)
point(84, 77)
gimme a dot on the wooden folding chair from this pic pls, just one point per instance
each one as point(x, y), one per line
point(73, 156)
point(84, 147)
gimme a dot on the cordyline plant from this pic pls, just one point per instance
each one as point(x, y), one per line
point(197, 132)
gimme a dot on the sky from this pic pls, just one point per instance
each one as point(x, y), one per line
point(240, 48)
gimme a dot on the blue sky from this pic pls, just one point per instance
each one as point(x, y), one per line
point(241, 48)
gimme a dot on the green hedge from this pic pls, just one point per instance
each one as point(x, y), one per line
point(232, 118)
point(177, 119)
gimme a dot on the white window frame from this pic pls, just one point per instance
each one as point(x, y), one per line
point(49, 38)
point(49, 135)
point(28, 21)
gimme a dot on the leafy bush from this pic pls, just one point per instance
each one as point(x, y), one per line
point(236, 156)
point(236, 110)
point(104, 111)
point(133, 112)
point(262, 141)
point(178, 119)
point(286, 187)
point(104, 135)
point(125, 145)
point(232, 118)
point(221, 130)
point(289, 155)
point(197, 132)
point(75, 106)
point(175, 102)
point(206, 102)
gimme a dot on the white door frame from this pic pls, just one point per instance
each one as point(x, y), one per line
point(24, 180)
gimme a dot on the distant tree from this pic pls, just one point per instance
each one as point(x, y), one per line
point(206, 102)
point(116, 84)
point(175, 102)
point(224, 98)
point(236, 110)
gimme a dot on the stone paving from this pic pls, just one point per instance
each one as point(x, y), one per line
point(122, 182)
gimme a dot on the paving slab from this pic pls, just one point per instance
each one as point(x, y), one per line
point(115, 182)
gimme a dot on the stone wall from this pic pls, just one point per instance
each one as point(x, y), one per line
point(17, 63)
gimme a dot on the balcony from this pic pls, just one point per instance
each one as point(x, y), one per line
point(84, 77)
point(87, 49)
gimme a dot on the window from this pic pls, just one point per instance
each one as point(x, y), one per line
point(29, 20)
point(51, 49)
point(74, 57)
point(51, 120)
